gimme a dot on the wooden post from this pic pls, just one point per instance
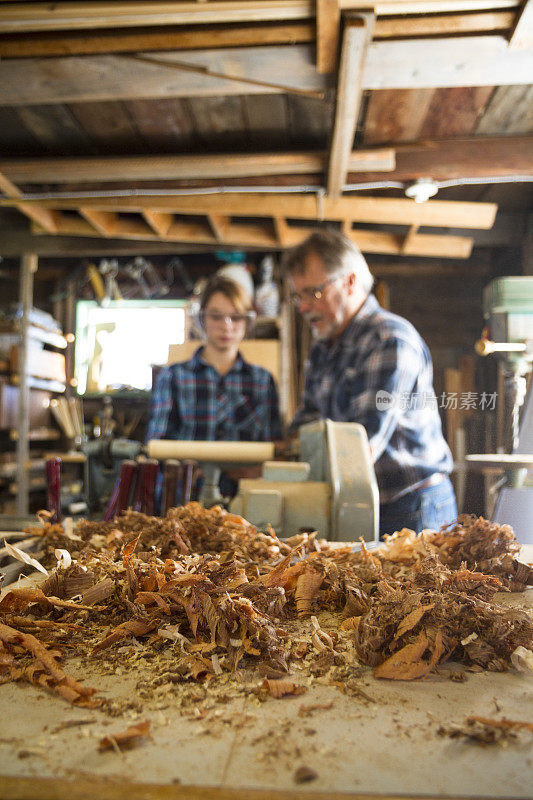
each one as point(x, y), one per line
point(28, 268)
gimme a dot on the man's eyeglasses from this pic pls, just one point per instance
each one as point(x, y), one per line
point(216, 318)
point(312, 293)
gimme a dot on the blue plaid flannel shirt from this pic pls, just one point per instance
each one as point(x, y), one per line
point(191, 400)
point(379, 373)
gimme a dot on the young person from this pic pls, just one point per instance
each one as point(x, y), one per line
point(217, 395)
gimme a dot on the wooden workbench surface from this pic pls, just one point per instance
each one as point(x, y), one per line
point(385, 744)
point(381, 739)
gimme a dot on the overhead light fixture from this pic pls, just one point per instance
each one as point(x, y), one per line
point(422, 189)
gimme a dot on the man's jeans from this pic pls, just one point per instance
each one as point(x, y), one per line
point(432, 508)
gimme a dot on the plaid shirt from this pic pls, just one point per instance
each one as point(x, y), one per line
point(191, 400)
point(379, 373)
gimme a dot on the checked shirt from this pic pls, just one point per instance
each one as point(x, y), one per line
point(191, 400)
point(379, 373)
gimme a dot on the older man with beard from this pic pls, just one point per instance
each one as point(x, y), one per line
point(370, 366)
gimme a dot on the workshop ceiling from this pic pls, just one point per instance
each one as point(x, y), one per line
point(128, 120)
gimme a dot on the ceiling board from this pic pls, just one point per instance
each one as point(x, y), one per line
point(164, 125)
point(219, 122)
point(56, 127)
point(402, 64)
point(455, 112)
point(396, 115)
point(267, 119)
point(510, 111)
point(109, 125)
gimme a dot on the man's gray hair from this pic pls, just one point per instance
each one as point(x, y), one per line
point(338, 253)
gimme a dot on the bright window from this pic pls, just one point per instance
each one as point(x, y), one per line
point(117, 344)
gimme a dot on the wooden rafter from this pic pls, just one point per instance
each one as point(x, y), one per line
point(328, 20)
point(219, 224)
point(441, 160)
point(356, 38)
point(185, 167)
point(79, 16)
point(264, 234)
point(522, 35)
point(405, 64)
point(125, 40)
point(307, 206)
point(264, 220)
point(159, 221)
point(42, 216)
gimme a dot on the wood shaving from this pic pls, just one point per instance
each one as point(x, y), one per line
point(204, 596)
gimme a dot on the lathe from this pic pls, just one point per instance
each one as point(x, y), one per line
point(332, 489)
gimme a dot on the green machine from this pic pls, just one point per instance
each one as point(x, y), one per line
point(508, 311)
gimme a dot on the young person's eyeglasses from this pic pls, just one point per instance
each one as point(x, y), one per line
point(217, 318)
point(312, 293)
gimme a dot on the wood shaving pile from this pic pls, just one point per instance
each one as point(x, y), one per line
point(211, 598)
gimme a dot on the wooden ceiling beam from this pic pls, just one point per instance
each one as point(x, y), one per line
point(441, 160)
point(43, 216)
point(104, 222)
point(261, 235)
point(443, 24)
point(73, 16)
point(328, 23)
point(458, 158)
point(356, 38)
point(185, 167)
point(159, 221)
point(402, 64)
point(522, 35)
point(28, 17)
point(124, 40)
point(219, 224)
point(282, 230)
point(383, 210)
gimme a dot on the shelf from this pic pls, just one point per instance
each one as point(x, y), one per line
point(47, 337)
point(52, 338)
point(46, 384)
point(37, 435)
point(10, 470)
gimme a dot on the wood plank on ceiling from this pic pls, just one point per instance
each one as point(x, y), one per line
point(69, 16)
point(163, 124)
point(393, 211)
point(356, 37)
point(455, 112)
point(328, 25)
point(46, 218)
point(164, 167)
point(509, 111)
point(266, 119)
point(309, 121)
point(56, 129)
point(457, 158)
point(442, 160)
point(72, 16)
point(219, 122)
point(522, 35)
point(396, 116)
point(99, 78)
point(264, 235)
point(447, 62)
point(108, 125)
point(212, 36)
point(417, 63)
point(123, 40)
point(441, 24)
